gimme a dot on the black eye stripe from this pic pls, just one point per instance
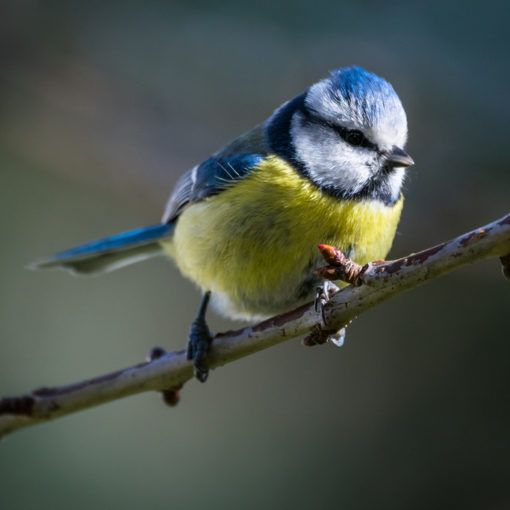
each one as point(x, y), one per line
point(354, 137)
point(344, 133)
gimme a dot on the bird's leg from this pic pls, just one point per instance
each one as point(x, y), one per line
point(322, 296)
point(199, 340)
point(320, 335)
point(340, 268)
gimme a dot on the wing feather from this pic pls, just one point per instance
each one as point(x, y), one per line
point(224, 168)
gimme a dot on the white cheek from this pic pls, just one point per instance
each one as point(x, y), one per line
point(395, 181)
point(328, 159)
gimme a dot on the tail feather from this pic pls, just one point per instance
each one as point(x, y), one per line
point(110, 253)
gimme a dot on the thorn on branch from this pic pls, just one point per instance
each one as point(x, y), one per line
point(155, 353)
point(171, 396)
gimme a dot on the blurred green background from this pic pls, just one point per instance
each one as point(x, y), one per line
point(103, 105)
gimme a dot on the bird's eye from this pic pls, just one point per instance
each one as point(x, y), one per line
point(354, 137)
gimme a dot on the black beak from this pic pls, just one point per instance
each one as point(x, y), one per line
point(399, 158)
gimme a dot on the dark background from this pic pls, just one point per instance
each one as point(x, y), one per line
point(103, 105)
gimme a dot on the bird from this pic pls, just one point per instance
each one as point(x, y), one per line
point(327, 166)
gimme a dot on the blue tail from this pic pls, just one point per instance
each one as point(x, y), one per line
point(110, 253)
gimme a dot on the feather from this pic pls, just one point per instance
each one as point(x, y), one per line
point(110, 253)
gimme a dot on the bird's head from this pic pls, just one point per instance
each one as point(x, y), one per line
point(347, 134)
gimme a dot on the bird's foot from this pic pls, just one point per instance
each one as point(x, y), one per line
point(338, 338)
point(322, 297)
point(340, 267)
point(319, 336)
point(199, 341)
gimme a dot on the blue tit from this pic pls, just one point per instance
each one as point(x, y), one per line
point(326, 167)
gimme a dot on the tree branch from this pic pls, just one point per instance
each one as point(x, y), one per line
point(167, 372)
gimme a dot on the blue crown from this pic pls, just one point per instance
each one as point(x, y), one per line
point(355, 84)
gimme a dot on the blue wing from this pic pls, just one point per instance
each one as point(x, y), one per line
point(208, 179)
point(214, 175)
point(205, 180)
point(226, 166)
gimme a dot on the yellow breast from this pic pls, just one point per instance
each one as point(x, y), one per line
point(255, 244)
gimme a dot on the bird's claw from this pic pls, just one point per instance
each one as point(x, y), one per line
point(338, 338)
point(199, 341)
point(322, 296)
